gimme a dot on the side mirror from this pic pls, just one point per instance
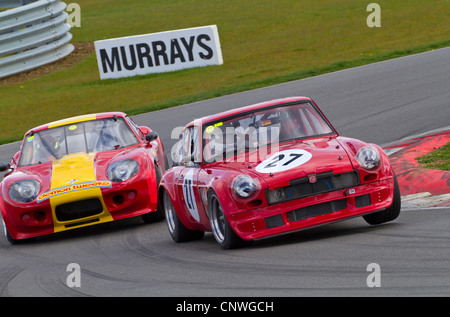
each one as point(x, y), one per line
point(151, 136)
point(4, 166)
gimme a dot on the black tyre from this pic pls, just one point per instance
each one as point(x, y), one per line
point(222, 231)
point(8, 235)
point(388, 214)
point(177, 230)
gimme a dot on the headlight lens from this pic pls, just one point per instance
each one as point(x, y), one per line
point(368, 157)
point(24, 191)
point(244, 186)
point(122, 170)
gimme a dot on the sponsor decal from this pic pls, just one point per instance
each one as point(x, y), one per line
point(73, 188)
point(158, 52)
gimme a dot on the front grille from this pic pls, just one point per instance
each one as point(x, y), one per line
point(317, 210)
point(79, 209)
point(302, 187)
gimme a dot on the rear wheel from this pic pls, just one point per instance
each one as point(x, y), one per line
point(222, 231)
point(177, 230)
point(388, 214)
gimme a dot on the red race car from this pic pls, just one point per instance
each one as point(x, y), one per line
point(81, 171)
point(270, 169)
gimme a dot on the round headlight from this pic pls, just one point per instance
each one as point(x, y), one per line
point(244, 186)
point(368, 157)
point(25, 190)
point(122, 170)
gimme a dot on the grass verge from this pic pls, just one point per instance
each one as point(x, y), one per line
point(438, 159)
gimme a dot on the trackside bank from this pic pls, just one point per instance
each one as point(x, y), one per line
point(411, 177)
point(158, 52)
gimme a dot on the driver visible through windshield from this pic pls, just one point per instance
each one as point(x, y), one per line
point(88, 137)
point(269, 126)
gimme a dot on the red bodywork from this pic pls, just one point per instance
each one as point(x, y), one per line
point(132, 197)
point(254, 217)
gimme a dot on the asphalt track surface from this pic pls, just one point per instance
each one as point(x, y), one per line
point(379, 103)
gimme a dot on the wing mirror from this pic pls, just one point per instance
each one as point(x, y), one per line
point(151, 136)
point(4, 166)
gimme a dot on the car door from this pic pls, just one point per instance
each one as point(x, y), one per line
point(187, 181)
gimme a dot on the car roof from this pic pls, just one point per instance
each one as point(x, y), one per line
point(76, 119)
point(254, 107)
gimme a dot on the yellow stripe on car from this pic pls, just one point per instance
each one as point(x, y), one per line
point(77, 119)
point(67, 172)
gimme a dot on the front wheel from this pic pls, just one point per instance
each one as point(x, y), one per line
point(177, 230)
point(8, 235)
point(222, 231)
point(390, 213)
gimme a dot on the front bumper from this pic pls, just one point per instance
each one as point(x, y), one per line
point(80, 209)
point(313, 211)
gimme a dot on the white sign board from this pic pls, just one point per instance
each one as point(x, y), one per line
point(158, 52)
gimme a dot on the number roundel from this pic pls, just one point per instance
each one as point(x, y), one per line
point(188, 193)
point(283, 161)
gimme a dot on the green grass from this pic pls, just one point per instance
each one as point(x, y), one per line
point(438, 159)
point(264, 42)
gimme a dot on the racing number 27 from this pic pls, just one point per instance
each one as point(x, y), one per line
point(281, 157)
point(283, 161)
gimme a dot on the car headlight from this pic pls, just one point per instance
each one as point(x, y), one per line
point(244, 186)
point(122, 170)
point(368, 157)
point(25, 190)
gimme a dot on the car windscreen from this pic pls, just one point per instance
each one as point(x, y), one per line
point(268, 126)
point(86, 137)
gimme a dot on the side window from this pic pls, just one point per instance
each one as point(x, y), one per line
point(189, 146)
point(194, 145)
point(181, 148)
point(134, 126)
point(187, 149)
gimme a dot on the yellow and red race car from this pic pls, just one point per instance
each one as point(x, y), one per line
point(81, 171)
